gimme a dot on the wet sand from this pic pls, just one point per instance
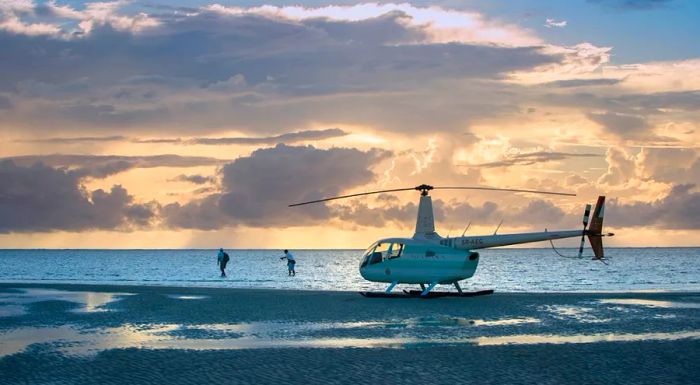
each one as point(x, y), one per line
point(81, 334)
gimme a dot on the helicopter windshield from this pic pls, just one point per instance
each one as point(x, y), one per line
point(367, 254)
point(381, 251)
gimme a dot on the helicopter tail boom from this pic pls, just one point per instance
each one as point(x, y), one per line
point(486, 241)
point(594, 233)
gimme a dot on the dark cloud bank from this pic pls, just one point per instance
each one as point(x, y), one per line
point(255, 191)
point(102, 166)
point(254, 73)
point(40, 198)
point(287, 138)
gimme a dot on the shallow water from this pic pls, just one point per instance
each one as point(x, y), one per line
point(506, 270)
point(13, 303)
point(580, 320)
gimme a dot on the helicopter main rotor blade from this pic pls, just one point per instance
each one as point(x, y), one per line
point(505, 189)
point(353, 195)
point(425, 188)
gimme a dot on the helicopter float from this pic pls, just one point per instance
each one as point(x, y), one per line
point(427, 259)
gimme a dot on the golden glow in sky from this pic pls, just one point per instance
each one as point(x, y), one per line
point(127, 126)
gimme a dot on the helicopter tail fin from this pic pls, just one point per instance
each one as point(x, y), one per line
point(595, 230)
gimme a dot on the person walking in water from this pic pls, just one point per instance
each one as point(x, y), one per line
point(290, 262)
point(222, 259)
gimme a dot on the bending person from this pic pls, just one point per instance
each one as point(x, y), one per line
point(290, 262)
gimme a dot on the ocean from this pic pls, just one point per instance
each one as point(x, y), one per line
point(504, 270)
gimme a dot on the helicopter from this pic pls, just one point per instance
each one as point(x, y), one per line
point(427, 259)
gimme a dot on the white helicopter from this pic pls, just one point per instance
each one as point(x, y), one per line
point(427, 259)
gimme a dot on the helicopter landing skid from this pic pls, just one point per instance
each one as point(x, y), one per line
point(417, 294)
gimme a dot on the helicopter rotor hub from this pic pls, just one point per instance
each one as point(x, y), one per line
point(424, 188)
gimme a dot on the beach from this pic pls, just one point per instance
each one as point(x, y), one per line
point(63, 333)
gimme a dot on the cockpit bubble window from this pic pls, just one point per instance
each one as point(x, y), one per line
point(396, 250)
point(370, 249)
point(379, 253)
point(367, 254)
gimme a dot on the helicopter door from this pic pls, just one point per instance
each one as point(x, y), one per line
point(395, 251)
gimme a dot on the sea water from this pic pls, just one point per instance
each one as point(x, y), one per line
point(505, 270)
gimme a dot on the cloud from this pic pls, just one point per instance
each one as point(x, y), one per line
point(257, 189)
point(628, 127)
point(633, 5)
point(40, 198)
point(251, 72)
point(76, 140)
point(5, 102)
point(583, 82)
point(628, 113)
point(535, 214)
point(575, 61)
point(679, 209)
point(160, 140)
point(438, 25)
point(291, 137)
point(196, 179)
point(10, 22)
point(621, 167)
point(101, 166)
point(524, 159)
point(552, 23)
point(622, 125)
point(669, 165)
point(66, 22)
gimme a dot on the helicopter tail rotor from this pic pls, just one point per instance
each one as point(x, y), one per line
point(586, 215)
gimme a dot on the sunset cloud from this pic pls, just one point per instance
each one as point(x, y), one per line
point(143, 118)
point(39, 198)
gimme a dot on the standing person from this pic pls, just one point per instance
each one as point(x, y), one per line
point(290, 262)
point(222, 259)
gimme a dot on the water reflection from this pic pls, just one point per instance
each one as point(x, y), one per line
point(187, 297)
point(579, 313)
point(89, 301)
point(506, 321)
point(528, 339)
point(11, 310)
point(650, 303)
point(73, 341)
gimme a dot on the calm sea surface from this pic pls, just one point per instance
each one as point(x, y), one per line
point(513, 270)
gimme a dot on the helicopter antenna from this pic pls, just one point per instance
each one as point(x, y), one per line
point(498, 227)
point(466, 228)
point(424, 188)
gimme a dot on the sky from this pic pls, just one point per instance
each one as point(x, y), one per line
point(194, 124)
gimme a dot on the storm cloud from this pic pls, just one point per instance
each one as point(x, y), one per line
point(101, 166)
point(40, 198)
point(254, 72)
point(257, 189)
point(679, 210)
